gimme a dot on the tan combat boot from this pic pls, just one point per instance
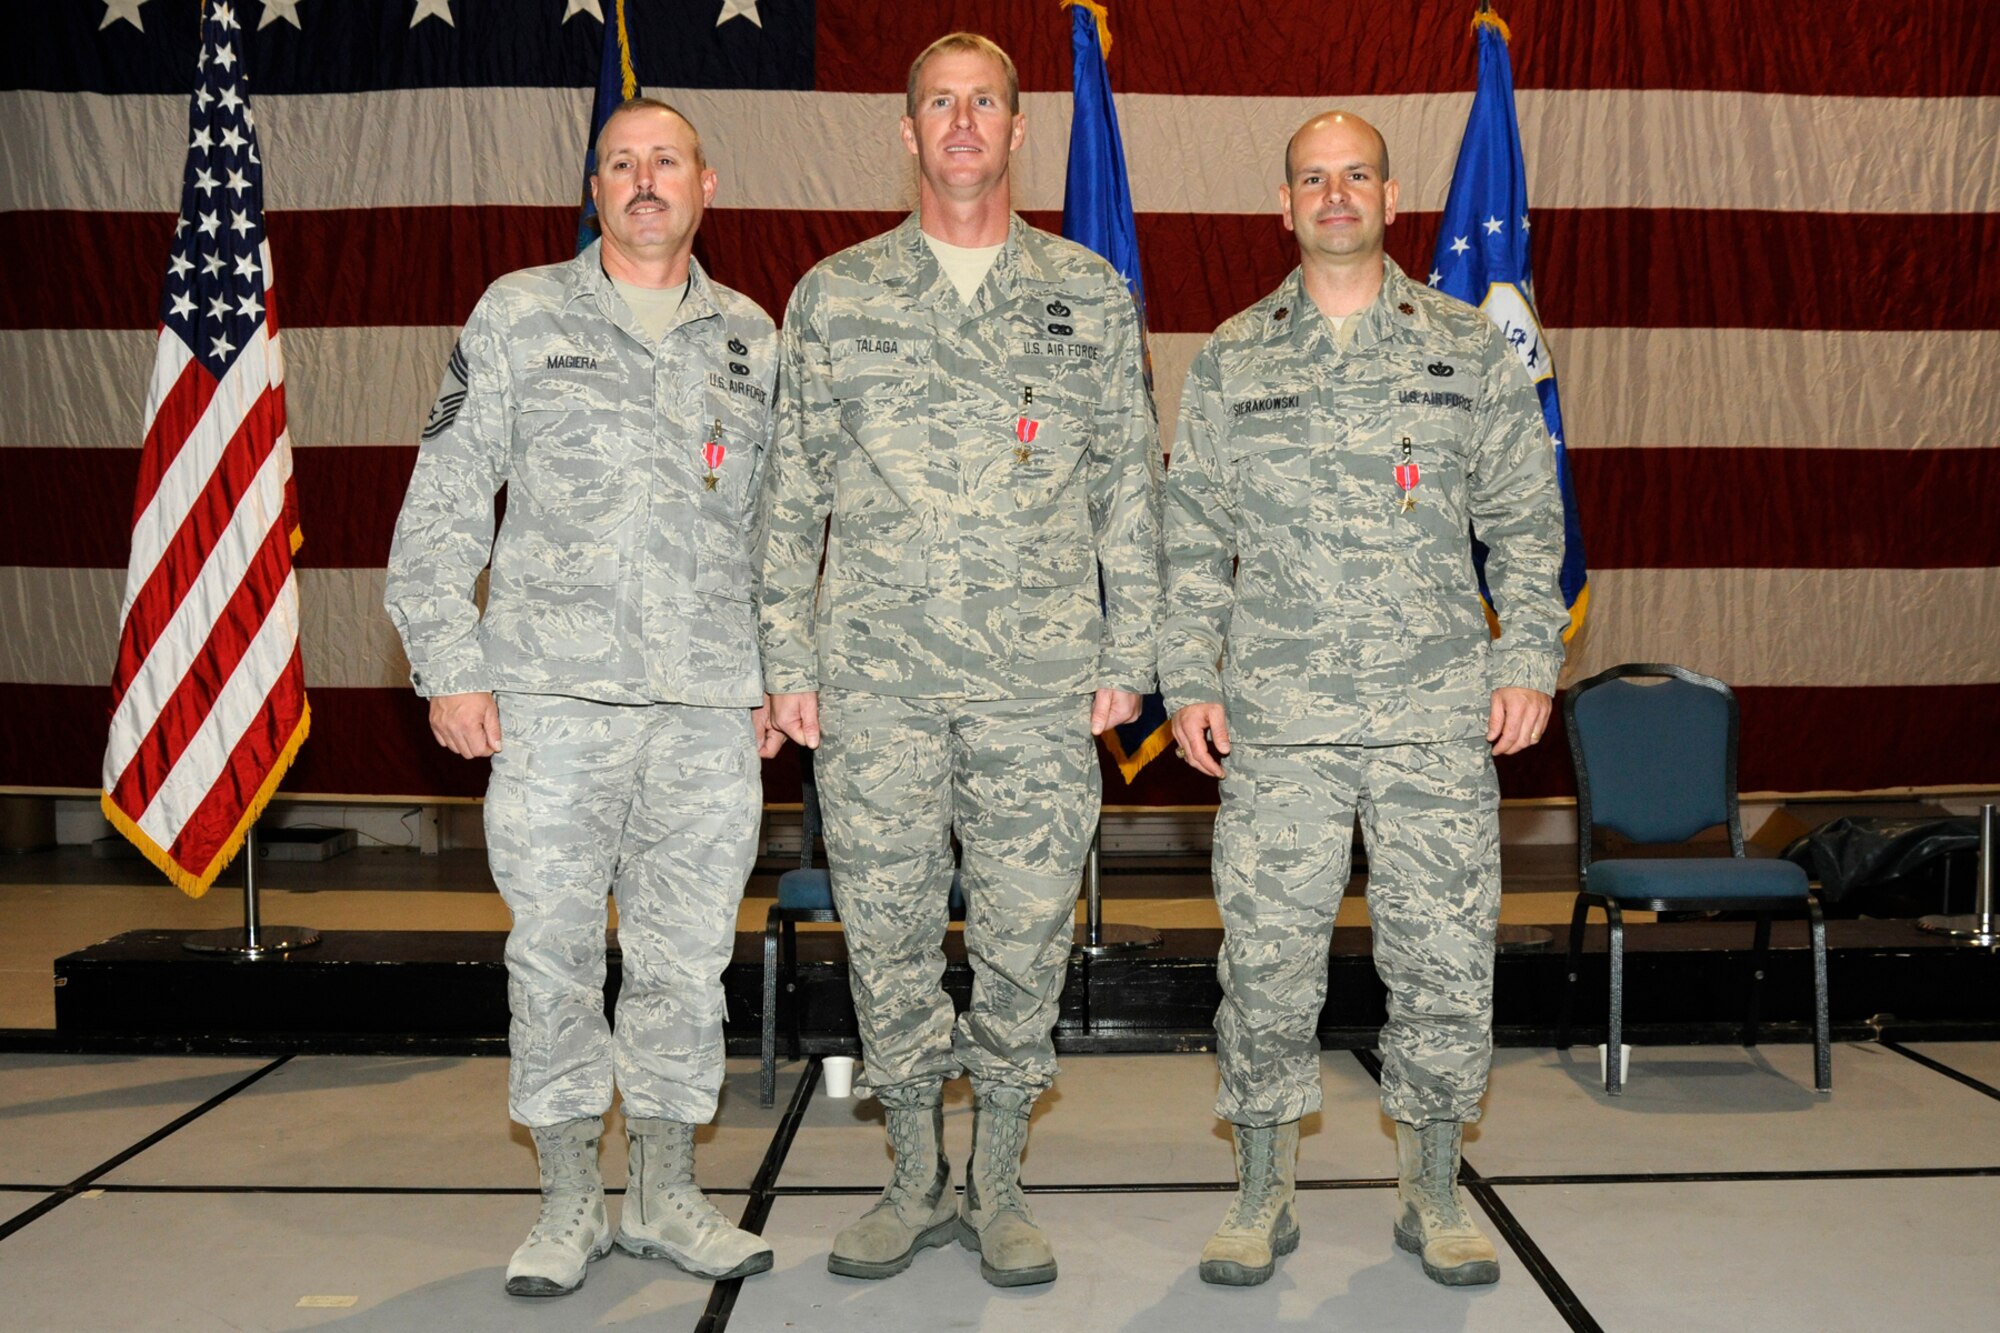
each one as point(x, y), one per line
point(667, 1217)
point(1262, 1223)
point(1433, 1223)
point(917, 1211)
point(572, 1229)
point(995, 1222)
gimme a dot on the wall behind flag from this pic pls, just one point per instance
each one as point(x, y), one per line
point(1777, 330)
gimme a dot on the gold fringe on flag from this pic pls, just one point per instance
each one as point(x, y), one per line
point(1103, 17)
point(195, 885)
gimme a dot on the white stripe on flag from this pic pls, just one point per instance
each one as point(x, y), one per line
point(191, 473)
point(240, 704)
point(187, 632)
point(1586, 148)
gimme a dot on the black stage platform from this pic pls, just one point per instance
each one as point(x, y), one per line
point(445, 991)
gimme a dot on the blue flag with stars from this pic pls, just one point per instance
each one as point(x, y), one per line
point(1097, 213)
point(1483, 259)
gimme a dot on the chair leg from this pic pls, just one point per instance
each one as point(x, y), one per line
point(789, 951)
point(1822, 1022)
point(767, 1070)
point(1579, 917)
point(1760, 955)
point(1614, 1036)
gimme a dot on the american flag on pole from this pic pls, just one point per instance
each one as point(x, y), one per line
point(208, 694)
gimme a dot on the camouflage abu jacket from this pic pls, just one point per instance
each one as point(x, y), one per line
point(622, 571)
point(982, 467)
point(1351, 617)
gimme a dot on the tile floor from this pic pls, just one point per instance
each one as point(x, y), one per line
point(1720, 1192)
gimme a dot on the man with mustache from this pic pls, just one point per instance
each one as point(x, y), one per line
point(965, 397)
point(623, 399)
point(1325, 653)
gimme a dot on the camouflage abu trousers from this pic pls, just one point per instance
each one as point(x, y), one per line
point(659, 803)
point(1017, 780)
point(1430, 819)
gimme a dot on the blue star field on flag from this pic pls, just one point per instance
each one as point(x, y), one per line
point(1483, 259)
point(214, 296)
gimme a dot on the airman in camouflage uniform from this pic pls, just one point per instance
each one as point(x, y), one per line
point(986, 454)
point(616, 658)
point(1325, 652)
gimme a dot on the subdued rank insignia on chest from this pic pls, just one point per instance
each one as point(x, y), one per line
point(451, 397)
point(737, 346)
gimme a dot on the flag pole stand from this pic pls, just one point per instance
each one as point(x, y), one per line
point(254, 940)
point(1982, 925)
point(1100, 940)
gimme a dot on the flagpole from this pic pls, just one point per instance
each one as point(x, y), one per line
point(1100, 940)
point(254, 940)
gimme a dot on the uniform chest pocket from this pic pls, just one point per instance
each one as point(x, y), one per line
point(577, 461)
point(1274, 469)
point(1045, 442)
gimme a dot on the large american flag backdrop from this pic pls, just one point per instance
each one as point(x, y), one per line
point(1764, 254)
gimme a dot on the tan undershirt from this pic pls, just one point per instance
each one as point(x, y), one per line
point(653, 307)
point(1343, 329)
point(966, 266)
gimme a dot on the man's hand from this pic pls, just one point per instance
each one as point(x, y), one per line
point(797, 716)
point(1196, 728)
point(1111, 708)
point(467, 724)
point(769, 739)
point(1517, 718)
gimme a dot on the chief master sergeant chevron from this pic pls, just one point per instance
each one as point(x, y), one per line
point(965, 395)
point(623, 399)
point(1335, 441)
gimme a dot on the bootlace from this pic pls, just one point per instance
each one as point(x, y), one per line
point(1437, 1181)
point(569, 1187)
point(914, 1138)
point(1257, 1195)
point(999, 1133)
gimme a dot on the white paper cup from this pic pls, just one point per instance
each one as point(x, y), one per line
point(1624, 1064)
point(838, 1070)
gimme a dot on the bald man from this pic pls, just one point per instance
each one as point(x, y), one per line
point(1325, 654)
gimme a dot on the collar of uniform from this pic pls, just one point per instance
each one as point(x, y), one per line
point(1023, 259)
point(587, 279)
point(1396, 307)
point(1286, 310)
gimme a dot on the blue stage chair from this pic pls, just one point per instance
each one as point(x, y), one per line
point(1656, 763)
point(805, 893)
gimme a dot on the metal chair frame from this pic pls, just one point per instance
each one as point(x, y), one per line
point(1613, 907)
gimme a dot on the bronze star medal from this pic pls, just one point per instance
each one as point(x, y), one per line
point(1026, 428)
point(713, 453)
point(1408, 475)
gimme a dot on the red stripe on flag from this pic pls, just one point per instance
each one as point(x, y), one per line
point(230, 633)
point(212, 511)
point(1804, 738)
point(1892, 48)
point(1599, 267)
point(167, 433)
point(259, 748)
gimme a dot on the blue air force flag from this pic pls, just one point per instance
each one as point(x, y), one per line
point(1483, 259)
point(616, 82)
point(1097, 213)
